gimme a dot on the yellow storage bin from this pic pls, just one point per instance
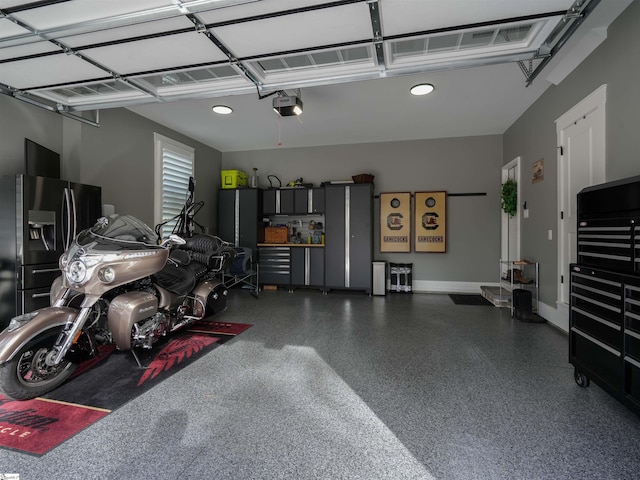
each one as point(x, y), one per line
point(233, 178)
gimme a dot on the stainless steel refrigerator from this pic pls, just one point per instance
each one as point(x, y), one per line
point(39, 217)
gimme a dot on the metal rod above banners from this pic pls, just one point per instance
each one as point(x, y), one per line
point(430, 222)
point(395, 222)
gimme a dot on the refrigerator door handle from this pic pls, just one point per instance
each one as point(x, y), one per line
point(45, 270)
point(40, 295)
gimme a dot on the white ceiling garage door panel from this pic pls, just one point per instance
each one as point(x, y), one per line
point(246, 9)
point(9, 29)
point(310, 29)
point(28, 49)
point(175, 50)
point(58, 69)
point(112, 34)
point(81, 11)
point(405, 16)
point(10, 3)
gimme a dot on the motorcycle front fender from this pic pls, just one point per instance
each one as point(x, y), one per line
point(46, 319)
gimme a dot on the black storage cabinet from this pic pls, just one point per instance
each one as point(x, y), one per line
point(604, 315)
point(307, 267)
point(293, 201)
point(240, 217)
point(349, 237)
point(275, 265)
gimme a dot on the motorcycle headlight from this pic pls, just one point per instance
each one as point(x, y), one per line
point(107, 275)
point(76, 272)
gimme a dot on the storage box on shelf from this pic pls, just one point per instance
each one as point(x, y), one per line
point(233, 178)
point(276, 235)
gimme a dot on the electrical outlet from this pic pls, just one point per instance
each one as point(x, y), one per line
point(550, 235)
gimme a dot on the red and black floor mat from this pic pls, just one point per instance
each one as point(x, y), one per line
point(103, 384)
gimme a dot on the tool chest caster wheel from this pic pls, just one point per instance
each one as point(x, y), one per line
point(580, 378)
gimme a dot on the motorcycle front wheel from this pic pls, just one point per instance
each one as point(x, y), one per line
point(28, 376)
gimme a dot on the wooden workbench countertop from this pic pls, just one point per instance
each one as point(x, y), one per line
point(291, 244)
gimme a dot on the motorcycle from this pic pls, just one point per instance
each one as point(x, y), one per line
point(118, 286)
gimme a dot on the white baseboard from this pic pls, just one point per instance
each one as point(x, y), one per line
point(432, 286)
point(558, 317)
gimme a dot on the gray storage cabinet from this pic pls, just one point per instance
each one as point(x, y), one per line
point(349, 237)
point(293, 201)
point(239, 216)
point(278, 201)
point(309, 200)
point(307, 267)
point(275, 266)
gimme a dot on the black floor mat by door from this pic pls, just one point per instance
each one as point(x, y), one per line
point(469, 299)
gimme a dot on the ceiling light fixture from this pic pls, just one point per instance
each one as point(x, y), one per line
point(222, 109)
point(421, 89)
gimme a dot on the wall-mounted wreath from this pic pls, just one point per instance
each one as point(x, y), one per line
point(509, 196)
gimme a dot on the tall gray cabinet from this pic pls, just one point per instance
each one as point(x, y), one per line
point(240, 217)
point(349, 237)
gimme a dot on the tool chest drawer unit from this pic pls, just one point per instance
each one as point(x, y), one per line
point(604, 314)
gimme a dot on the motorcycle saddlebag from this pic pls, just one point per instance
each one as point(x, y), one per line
point(217, 299)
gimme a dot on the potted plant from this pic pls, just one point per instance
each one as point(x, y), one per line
point(509, 196)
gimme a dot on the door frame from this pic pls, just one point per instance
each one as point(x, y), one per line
point(594, 106)
point(504, 222)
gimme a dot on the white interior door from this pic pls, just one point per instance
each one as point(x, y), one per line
point(510, 244)
point(581, 162)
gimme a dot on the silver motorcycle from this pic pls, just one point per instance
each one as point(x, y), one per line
point(118, 286)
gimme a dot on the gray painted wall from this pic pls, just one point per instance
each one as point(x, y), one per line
point(118, 156)
point(616, 62)
point(456, 165)
point(19, 120)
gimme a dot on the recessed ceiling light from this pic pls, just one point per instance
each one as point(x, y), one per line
point(222, 109)
point(421, 89)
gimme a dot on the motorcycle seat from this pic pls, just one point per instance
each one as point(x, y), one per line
point(200, 254)
point(179, 279)
point(208, 250)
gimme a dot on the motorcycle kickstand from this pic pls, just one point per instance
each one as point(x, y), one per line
point(137, 360)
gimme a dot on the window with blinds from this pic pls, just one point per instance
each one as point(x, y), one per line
point(173, 167)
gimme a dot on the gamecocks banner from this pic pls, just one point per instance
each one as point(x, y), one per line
point(395, 222)
point(431, 222)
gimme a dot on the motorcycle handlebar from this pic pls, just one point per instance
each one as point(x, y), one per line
point(173, 239)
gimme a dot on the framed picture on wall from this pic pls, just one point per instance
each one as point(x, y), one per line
point(395, 222)
point(430, 222)
point(537, 171)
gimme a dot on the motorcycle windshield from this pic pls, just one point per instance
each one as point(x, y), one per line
point(123, 229)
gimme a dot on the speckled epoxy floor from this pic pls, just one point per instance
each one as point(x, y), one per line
point(346, 386)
